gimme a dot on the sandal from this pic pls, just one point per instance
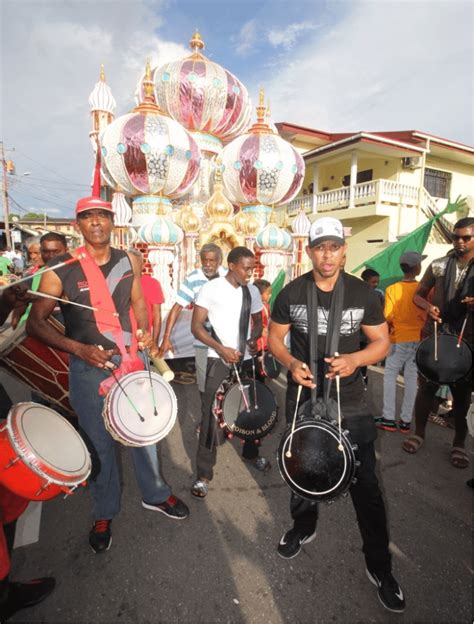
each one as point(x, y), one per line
point(200, 488)
point(437, 420)
point(459, 457)
point(412, 444)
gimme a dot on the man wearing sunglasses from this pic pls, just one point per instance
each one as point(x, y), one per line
point(451, 280)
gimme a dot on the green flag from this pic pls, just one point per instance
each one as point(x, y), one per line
point(277, 285)
point(386, 262)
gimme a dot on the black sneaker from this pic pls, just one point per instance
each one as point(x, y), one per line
point(172, 507)
point(389, 591)
point(100, 536)
point(23, 595)
point(387, 425)
point(404, 427)
point(291, 543)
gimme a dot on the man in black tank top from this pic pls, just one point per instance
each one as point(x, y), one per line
point(360, 310)
point(90, 354)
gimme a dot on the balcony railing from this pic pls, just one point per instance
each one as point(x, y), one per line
point(374, 192)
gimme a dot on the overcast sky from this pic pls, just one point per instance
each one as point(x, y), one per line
point(340, 66)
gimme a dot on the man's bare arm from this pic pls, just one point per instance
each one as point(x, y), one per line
point(137, 298)
point(156, 312)
point(37, 325)
point(166, 344)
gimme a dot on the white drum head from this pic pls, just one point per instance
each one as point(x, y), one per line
point(48, 444)
point(136, 394)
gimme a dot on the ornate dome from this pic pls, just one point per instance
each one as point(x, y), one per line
point(203, 96)
point(122, 211)
point(189, 221)
point(218, 208)
point(163, 231)
point(260, 167)
point(273, 238)
point(251, 226)
point(146, 153)
point(101, 98)
point(239, 221)
point(301, 225)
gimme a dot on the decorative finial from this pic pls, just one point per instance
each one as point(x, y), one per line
point(261, 106)
point(148, 86)
point(196, 43)
point(102, 73)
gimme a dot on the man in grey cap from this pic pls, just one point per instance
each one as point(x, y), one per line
point(405, 321)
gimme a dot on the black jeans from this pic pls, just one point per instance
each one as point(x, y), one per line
point(461, 392)
point(211, 435)
point(366, 498)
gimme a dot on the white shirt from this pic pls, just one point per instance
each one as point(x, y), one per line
point(223, 303)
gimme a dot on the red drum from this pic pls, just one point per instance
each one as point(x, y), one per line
point(44, 369)
point(41, 454)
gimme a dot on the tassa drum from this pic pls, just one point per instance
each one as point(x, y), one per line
point(247, 410)
point(42, 368)
point(140, 412)
point(444, 359)
point(41, 454)
point(317, 460)
point(269, 366)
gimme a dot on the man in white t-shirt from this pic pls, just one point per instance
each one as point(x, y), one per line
point(220, 302)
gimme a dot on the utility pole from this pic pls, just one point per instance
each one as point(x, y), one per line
point(5, 196)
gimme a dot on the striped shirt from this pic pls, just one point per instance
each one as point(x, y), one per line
point(189, 290)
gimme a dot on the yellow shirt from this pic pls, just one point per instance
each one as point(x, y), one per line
point(403, 316)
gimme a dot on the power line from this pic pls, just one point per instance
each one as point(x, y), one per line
point(45, 167)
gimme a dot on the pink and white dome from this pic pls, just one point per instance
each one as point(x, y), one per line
point(101, 98)
point(203, 96)
point(260, 167)
point(122, 210)
point(146, 153)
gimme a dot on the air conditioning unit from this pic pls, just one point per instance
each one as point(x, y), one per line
point(411, 162)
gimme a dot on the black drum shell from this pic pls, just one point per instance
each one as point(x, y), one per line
point(317, 469)
point(256, 423)
point(454, 363)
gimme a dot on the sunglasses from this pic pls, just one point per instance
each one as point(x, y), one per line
point(466, 238)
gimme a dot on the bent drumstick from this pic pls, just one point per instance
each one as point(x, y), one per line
point(52, 268)
point(37, 293)
point(162, 367)
point(458, 345)
point(254, 384)
point(298, 396)
point(242, 391)
point(147, 364)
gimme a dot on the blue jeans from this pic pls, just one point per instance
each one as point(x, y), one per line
point(401, 358)
point(84, 397)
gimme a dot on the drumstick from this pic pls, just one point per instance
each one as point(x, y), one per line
point(126, 395)
point(37, 293)
point(242, 391)
point(254, 384)
point(338, 397)
point(435, 342)
point(52, 268)
point(147, 364)
point(462, 331)
point(298, 396)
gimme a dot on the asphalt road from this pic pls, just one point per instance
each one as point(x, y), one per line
point(220, 565)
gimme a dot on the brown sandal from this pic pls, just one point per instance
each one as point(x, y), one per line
point(459, 457)
point(412, 444)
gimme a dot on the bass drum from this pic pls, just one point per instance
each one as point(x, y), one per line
point(269, 366)
point(453, 362)
point(249, 415)
point(312, 463)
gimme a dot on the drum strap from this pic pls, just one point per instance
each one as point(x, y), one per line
point(333, 331)
point(453, 309)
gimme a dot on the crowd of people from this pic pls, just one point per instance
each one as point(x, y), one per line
point(350, 323)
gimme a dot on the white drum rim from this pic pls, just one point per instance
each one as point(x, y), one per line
point(124, 437)
point(311, 492)
point(22, 450)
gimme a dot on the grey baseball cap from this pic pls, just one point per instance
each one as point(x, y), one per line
point(412, 258)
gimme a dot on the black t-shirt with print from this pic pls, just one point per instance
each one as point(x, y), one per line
point(361, 306)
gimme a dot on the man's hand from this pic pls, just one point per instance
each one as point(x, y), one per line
point(301, 374)
point(95, 356)
point(145, 341)
point(165, 346)
point(435, 312)
point(469, 301)
point(230, 356)
point(343, 365)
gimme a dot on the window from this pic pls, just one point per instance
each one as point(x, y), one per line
point(362, 176)
point(437, 183)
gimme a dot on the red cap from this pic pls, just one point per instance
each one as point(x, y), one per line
point(93, 203)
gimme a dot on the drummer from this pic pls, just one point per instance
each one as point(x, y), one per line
point(222, 300)
point(91, 349)
point(451, 279)
point(361, 310)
